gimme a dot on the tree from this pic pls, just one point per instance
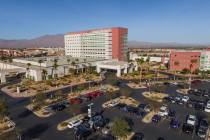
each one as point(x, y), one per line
point(44, 74)
point(40, 61)
point(120, 128)
point(55, 66)
point(148, 63)
point(28, 68)
point(193, 61)
point(59, 95)
point(176, 63)
point(39, 100)
point(140, 63)
point(3, 109)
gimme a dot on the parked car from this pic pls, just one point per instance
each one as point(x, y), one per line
point(191, 120)
point(120, 106)
point(138, 136)
point(199, 105)
point(172, 114)
point(163, 111)
point(169, 99)
point(107, 129)
point(186, 128)
point(94, 94)
point(75, 101)
point(174, 123)
point(207, 107)
point(74, 123)
point(160, 138)
point(145, 107)
point(58, 107)
point(202, 128)
point(196, 81)
point(82, 131)
point(185, 99)
point(156, 118)
point(98, 122)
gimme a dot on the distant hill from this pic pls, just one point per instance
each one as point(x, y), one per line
point(43, 41)
point(58, 41)
point(138, 44)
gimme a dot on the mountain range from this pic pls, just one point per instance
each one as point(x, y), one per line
point(58, 41)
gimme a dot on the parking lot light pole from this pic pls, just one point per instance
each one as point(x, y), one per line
point(90, 114)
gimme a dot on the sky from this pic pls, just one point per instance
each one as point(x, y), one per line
point(181, 21)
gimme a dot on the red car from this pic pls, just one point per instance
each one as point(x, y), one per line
point(196, 81)
point(93, 94)
point(75, 101)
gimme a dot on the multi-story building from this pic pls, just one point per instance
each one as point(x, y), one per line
point(108, 43)
point(180, 60)
point(205, 60)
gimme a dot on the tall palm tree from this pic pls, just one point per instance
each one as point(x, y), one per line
point(28, 68)
point(176, 63)
point(193, 61)
point(73, 64)
point(55, 66)
point(40, 63)
point(44, 74)
point(140, 63)
point(148, 63)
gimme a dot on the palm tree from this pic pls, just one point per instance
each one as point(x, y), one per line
point(10, 60)
point(68, 61)
point(193, 61)
point(3, 109)
point(55, 66)
point(28, 68)
point(73, 64)
point(148, 63)
point(44, 74)
point(140, 63)
point(40, 63)
point(176, 63)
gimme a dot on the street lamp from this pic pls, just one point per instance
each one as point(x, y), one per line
point(90, 109)
point(90, 114)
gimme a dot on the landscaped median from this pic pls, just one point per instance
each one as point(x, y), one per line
point(182, 91)
point(6, 125)
point(155, 99)
point(64, 125)
point(42, 113)
point(122, 99)
point(148, 117)
point(135, 85)
point(155, 96)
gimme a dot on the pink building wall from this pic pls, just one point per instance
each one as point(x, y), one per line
point(184, 60)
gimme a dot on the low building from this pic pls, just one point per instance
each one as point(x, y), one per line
point(35, 67)
point(121, 67)
point(153, 58)
point(182, 59)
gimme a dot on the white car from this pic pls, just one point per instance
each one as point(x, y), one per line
point(74, 123)
point(114, 103)
point(191, 120)
point(207, 108)
point(174, 83)
point(163, 111)
point(185, 99)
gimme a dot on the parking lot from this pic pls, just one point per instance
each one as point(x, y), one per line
point(45, 128)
